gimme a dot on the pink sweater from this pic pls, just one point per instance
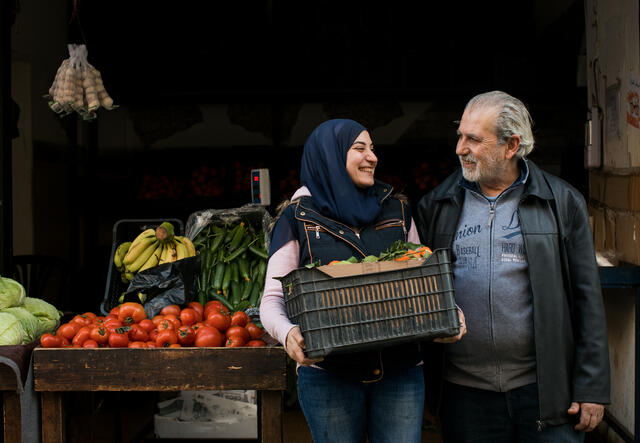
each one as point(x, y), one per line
point(272, 311)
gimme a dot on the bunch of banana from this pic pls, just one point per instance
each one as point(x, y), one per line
point(150, 248)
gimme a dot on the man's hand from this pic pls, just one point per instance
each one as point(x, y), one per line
point(590, 415)
point(463, 330)
point(295, 347)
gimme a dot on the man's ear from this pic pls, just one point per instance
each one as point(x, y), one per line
point(513, 144)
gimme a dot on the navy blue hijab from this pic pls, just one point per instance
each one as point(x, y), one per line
point(324, 172)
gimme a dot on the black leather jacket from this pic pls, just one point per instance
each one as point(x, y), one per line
point(570, 332)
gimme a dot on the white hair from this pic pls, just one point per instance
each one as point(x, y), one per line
point(512, 118)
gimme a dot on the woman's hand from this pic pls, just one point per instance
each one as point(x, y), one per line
point(463, 330)
point(295, 347)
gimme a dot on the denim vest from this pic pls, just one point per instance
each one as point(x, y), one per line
point(322, 239)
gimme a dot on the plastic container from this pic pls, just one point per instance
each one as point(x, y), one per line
point(361, 311)
point(127, 230)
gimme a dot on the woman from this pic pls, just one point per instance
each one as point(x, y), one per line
point(342, 211)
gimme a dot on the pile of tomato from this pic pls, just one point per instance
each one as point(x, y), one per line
point(127, 325)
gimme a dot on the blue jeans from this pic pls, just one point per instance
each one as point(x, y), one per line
point(476, 415)
point(339, 410)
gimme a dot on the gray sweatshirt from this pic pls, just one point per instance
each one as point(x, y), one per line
point(492, 288)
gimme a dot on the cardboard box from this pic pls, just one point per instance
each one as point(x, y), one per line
point(597, 184)
point(367, 268)
point(597, 216)
point(627, 245)
point(622, 192)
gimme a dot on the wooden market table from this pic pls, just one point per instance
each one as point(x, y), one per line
point(11, 417)
point(179, 369)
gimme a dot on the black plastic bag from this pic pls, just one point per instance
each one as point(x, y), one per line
point(166, 284)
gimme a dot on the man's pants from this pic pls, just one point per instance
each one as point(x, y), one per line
point(477, 415)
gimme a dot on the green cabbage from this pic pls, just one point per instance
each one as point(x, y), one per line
point(28, 321)
point(11, 333)
point(47, 314)
point(11, 293)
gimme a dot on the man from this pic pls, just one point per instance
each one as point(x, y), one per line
point(534, 365)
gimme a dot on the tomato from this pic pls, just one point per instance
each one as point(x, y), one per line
point(138, 333)
point(99, 334)
point(197, 326)
point(256, 343)
point(170, 309)
point(50, 341)
point(76, 345)
point(235, 341)
point(118, 339)
point(81, 336)
point(90, 315)
point(186, 335)
point(166, 338)
point(137, 344)
point(175, 345)
point(218, 320)
point(65, 342)
point(239, 318)
point(115, 311)
point(173, 319)
point(254, 331)
point(213, 306)
point(90, 344)
point(196, 306)
point(68, 330)
point(82, 320)
point(165, 324)
point(112, 325)
point(188, 316)
point(153, 334)
point(239, 330)
point(208, 336)
point(131, 312)
point(147, 325)
point(151, 344)
point(157, 319)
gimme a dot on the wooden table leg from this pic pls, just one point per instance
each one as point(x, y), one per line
point(52, 418)
point(271, 417)
point(11, 418)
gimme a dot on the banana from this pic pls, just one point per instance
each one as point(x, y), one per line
point(181, 250)
point(187, 242)
point(124, 278)
point(135, 250)
point(172, 254)
point(121, 251)
point(163, 254)
point(142, 257)
point(153, 259)
point(144, 234)
point(128, 276)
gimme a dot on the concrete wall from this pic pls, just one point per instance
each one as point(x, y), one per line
point(613, 77)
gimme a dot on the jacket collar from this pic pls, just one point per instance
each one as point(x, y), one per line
point(454, 186)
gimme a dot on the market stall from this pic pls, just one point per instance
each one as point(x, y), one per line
point(105, 369)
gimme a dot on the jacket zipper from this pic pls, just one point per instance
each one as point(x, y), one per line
point(317, 232)
point(540, 424)
point(335, 235)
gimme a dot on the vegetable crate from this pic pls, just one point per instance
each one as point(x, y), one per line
point(367, 311)
point(127, 230)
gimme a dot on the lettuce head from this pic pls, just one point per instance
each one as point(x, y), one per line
point(28, 321)
point(47, 314)
point(11, 332)
point(11, 293)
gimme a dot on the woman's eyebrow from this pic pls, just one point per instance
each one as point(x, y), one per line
point(358, 142)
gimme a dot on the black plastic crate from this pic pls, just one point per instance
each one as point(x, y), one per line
point(127, 230)
point(366, 311)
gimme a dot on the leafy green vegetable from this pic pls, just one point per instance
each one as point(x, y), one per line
point(27, 320)
point(11, 332)
point(11, 293)
point(47, 314)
